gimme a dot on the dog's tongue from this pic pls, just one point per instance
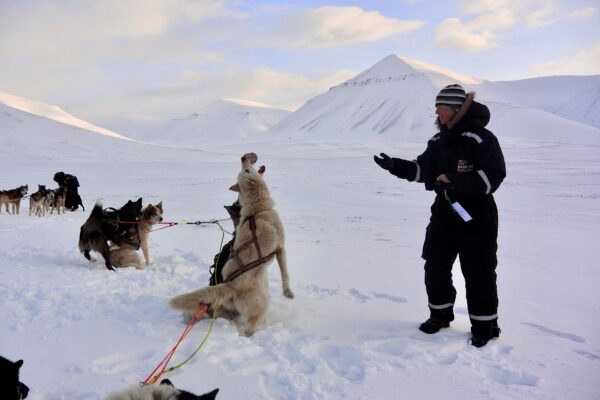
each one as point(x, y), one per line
point(252, 157)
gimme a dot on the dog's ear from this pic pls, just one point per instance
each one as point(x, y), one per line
point(139, 201)
point(235, 188)
point(159, 205)
point(166, 382)
point(233, 213)
point(19, 363)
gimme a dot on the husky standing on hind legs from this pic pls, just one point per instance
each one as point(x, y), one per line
point(244, 296)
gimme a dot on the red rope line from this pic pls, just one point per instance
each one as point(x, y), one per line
point(165, 362)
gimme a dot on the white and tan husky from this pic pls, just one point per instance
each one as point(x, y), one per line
point(245, 297)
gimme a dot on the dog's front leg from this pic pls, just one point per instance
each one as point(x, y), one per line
point(105, 251)
point(144, 245)
point(285, 279)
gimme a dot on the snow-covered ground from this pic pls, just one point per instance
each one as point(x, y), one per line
point(354, 235)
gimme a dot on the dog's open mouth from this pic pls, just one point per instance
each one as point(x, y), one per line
point(252, 158)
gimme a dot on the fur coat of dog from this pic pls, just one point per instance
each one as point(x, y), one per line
point(164, 391)
point(245, 299)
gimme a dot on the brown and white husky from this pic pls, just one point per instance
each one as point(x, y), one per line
point(37, 201)
point(126, 256)
point(13, 197)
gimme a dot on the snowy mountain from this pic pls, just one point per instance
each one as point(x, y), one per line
point(224, 121)
point(573, 97)
point(394, 101)
point(50, 112)
point(35, 130)
point(391, 99)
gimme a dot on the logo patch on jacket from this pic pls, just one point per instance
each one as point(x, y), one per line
point(464, 166)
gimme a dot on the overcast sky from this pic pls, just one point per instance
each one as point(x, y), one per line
point(113, 60)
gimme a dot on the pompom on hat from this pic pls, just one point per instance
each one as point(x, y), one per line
point(452, 96)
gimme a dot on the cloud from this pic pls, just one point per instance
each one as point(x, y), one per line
point(337, 26)
point(584, 13)
point(585, 62)
point(31, 28)
point(487, 19)
point(540, 13)
point(454, 34)
point(533, 13)
point(190, 90)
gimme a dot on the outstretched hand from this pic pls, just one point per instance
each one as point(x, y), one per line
point(384, 161)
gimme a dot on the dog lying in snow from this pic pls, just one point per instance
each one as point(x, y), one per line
point(126, 255)
point(164, 391)
point(243, 296)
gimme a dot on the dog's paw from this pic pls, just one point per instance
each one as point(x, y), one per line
point(288, 293)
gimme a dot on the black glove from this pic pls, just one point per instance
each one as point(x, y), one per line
point(384, 161)
point(446, 185)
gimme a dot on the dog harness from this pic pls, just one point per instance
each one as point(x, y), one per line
point(235, 254)
point(123, 235)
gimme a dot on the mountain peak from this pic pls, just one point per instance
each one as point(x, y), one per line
point(390, 66)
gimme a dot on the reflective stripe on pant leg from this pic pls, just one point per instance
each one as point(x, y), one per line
point(483, 317)
point(441, 306)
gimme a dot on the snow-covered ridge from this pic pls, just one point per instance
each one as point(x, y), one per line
point(435, 69)
point(224, 121)
point(54, 113)
point(357, 82)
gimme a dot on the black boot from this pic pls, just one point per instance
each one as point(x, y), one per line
point(483, 332)
point(433, 325)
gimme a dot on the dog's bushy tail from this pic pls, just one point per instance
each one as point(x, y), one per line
point(97, 210)
point(211, 295)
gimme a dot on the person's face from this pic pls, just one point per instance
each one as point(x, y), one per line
point(445, 114)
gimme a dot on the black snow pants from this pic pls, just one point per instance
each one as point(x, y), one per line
point(475, 244)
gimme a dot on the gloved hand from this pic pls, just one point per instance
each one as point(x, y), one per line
point(384, 161)
point(446, 182)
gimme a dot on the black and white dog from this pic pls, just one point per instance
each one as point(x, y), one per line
point(104, 225)
point(164, 391)
point(10, 387)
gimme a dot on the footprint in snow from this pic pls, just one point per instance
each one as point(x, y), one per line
point(588, 355)
point(563, 335)
point(389, 297)
point(118, 362)
point(506, 376)
point(347, 362)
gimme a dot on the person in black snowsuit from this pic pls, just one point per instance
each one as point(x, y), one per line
point(464, 165)
point(69, 182)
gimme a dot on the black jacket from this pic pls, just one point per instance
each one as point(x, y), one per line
point(67, 180)
point(466, 150)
